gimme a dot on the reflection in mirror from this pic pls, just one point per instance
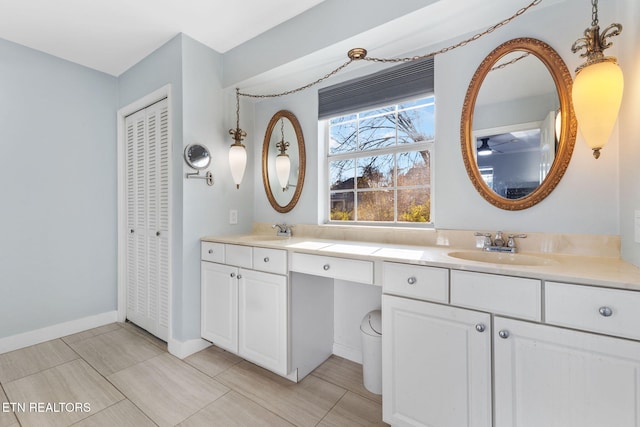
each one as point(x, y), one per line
point(514, 125)
point(283, 161)
point(516, 143)
point(197, 157)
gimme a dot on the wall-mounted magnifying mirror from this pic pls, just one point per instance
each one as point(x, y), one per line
point(518, 128)
point(198, 157)
point(283, 161)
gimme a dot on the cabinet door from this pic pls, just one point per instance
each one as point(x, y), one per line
point(219, 317)
point(263, 319)
point(554, 377)
point(436, 365)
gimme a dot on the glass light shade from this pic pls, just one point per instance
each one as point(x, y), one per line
point(237, 162)
point(283, 168)
point(597, 94)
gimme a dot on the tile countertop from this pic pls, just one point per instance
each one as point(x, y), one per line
point(588, 270)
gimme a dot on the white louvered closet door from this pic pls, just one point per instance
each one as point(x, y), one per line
point(147, 204)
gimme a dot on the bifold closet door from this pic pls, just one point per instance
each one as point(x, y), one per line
point(147, 205)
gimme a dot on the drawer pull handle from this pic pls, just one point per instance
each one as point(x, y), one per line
point(326, 267)
point(266, 259)
point(480, 327)
point(504, 334)
point(412, 280)
point(211, 251)
point(605, 311)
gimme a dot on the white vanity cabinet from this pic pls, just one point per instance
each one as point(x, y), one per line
point(437, 364)
point(555, 377)
point(436, 358)
point(263, 319)
point(244, 310)
point(219, 305)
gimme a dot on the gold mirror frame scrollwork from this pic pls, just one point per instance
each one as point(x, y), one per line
point(301, 159)
point(563, 82)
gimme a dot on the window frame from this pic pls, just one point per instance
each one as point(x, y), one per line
point(429, 145)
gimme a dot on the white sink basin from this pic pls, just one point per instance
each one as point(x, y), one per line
point(502, 258)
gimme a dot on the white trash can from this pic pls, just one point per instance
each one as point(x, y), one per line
point(371, 329)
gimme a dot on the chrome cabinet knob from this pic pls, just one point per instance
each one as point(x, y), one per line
point(326, 267)
point(605, 311)
point(233, 274)
point(132, 231)
point(266, 259)
point(504, 334)
point(412, 280)
point(210, 251)
point(157, 233)
point(480, 327)
point(239, 276)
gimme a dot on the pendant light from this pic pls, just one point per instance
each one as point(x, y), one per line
point(597, 88)
point(237, 151)
point(283, 163)
point(484, 149)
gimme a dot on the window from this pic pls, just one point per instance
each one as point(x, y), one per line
point(379, 164)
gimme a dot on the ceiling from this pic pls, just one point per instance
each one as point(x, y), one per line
point(113, 35)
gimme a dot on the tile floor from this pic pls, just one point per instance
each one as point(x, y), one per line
point(118, 375)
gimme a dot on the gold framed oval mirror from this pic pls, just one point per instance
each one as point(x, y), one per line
point(518, 128)
point(283, 161)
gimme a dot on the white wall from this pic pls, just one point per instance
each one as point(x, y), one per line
point(629, 122)
point(205, 209)
point(200, 113)
point(57, 168)
point(573, 207)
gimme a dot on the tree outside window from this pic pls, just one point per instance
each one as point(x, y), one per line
point(379, 164)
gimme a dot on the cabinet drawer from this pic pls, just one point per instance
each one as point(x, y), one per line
point(428, 283)
point(270, 260)
point(213, 252)
point(338, 268)
point(609, 311)
point(238, 255)
point(511, 296)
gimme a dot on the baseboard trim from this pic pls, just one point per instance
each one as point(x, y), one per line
point(182, 349)
point(349, 353)
point(37, 336)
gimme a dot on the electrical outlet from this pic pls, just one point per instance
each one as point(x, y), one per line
point(233, 216)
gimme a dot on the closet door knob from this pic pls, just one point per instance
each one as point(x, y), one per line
point(504, 334)
point(239, 276)
point(157, 233)
point(132, 231)
point(412, 280)
point(605, 311)
point(480, 327)
point(233, 274)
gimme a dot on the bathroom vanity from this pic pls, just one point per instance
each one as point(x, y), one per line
point(468, 339)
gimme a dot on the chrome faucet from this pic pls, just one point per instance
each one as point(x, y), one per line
point(284, 230)
point(486, 242)
point(498, 244)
